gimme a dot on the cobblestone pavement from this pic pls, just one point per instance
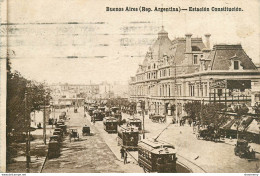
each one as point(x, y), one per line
point(90, 154)
point(211, 156)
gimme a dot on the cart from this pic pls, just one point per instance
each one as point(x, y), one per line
point(85, 130)
point(74, 134)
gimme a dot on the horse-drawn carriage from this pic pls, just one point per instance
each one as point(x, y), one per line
point(85, 130)
point(74, 134)
point(158, 118)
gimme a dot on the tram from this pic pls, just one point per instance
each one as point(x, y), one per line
point(135, 122)
point(102, 110)
point(157, 156)
point(117, 114)
point(90, 110)
point(128, 137)
point(115, 109)
point(110, 124)
point(97, 115)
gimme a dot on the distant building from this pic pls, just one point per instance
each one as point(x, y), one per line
point(73, 94)
point(114, 90)
point(176, 71)
point(105, 91)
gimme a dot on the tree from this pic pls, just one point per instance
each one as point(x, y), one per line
point(193, 109)
point(257, 109)
point(23, 97)
point(211, 114)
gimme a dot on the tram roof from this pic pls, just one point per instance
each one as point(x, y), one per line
point(129, 128)
point(157, 147)
point(134, 120)
point(110, 119)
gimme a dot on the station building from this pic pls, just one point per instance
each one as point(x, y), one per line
point(176, 71)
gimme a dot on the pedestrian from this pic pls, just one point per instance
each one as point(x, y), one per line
point(125, 157)
point(122, 152)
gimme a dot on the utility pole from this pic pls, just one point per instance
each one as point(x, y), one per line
point(201, 88)
point(27, 136)
point(143, 126)
point(175, 87)
point(44, 121)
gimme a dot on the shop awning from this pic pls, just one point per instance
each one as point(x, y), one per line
point(246, 120)
point(254, 127)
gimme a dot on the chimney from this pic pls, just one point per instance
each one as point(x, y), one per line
point(188, 43)
point(207, 36)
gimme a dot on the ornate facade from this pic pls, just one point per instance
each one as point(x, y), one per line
point(187, 69)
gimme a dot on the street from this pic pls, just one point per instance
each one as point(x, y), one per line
point(90, 154)
point(100, 152)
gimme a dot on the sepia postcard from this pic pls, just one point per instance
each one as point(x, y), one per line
point(120, 86)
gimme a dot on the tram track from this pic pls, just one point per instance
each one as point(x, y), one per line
point(136, 160)
point(43, 164)
point(191, 163)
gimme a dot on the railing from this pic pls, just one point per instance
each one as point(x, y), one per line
point(210, 98)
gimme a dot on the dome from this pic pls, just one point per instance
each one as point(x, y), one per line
point(162, 33)
point(162, 45)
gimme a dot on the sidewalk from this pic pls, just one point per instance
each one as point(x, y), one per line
point(254, 146)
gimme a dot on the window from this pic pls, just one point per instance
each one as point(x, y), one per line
point(195, 59)
point(192, 88)
point(236, 65)
point(219, 92)
point(201, 90)
point(198, 90)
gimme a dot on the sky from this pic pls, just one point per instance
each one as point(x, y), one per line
point(78, 41)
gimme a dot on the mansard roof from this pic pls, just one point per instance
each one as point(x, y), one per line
point(221, 56)
point(179, 48)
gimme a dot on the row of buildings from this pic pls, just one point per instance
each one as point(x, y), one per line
point(176, 71)
point(76, 94)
